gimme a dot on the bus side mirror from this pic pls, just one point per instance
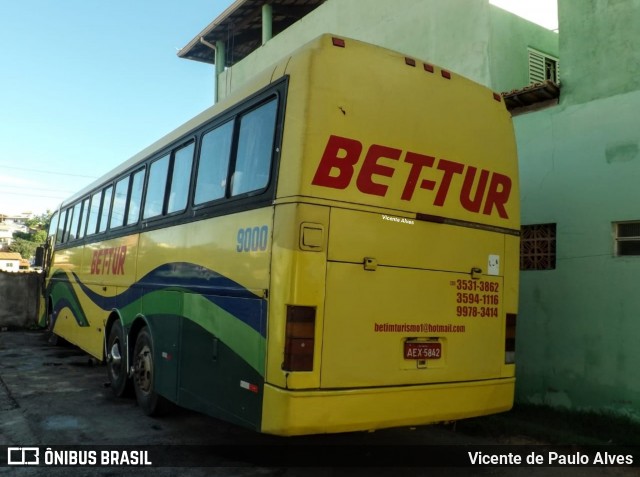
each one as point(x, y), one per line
point(39, 261)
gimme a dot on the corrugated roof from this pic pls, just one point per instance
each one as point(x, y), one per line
point(240, 27)
point(10, 256)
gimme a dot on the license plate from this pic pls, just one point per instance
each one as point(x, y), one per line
point(422, 350)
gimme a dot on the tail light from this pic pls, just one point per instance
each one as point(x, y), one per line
point(510, 339)
point(299, 338)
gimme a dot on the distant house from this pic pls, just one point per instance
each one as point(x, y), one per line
point(10, 261)
point(6, 235)
point(9, 224)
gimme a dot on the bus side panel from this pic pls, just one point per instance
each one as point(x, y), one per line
point(216, 381)
point(87, 283)
point(163, 312)
point(205, 301)
point(298, 271)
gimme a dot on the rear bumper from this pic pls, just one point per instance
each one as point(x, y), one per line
point(288, 412)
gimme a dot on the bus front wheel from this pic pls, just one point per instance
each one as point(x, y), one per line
point(151, 403)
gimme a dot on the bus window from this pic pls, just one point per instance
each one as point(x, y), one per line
point(83, 218)
point(106, 206)
point(255, 149)
point(61, 224)
point(156, 188)
point(135, 199)
point(53, 225)
point(213, 167)
point(93, 213)
point(67, 225)
point(73, 230)
point(119, 203)
point(180, 179)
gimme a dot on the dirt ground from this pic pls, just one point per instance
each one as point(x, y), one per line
point(53, 396)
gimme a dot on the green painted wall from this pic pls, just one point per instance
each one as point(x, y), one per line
point(469, 37)
point(579, 324)
point(599, 42)
point(511, 36)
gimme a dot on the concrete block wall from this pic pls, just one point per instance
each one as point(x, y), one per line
point(19, 294)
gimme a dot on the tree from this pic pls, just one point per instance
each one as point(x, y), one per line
point(25, 248)
point(40, 222)
point(26, 243)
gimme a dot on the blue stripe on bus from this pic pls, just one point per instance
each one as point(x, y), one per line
point(218, 289)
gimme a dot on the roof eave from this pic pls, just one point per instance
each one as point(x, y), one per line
point(185, 52)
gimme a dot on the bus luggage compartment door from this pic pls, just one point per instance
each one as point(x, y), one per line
point(422, 314)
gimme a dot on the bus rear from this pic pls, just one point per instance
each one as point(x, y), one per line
point(394, 274)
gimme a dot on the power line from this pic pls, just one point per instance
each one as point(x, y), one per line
point(40, 189)
point(27, 169)
point(36, 195)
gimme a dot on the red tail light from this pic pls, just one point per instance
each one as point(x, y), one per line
point(299, 338)
point(510, 339)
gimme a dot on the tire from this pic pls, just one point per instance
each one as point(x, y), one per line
point(151, 403)
point(52, 338)
point(117, 361)
point(48, 321)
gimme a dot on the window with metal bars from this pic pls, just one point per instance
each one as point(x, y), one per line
point(627, 238)
point(543, 67)
point(538, 247)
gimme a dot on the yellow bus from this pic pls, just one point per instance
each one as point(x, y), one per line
point(334, 247)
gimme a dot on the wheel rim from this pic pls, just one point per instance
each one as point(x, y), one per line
point(115, 359)
point(143, 369)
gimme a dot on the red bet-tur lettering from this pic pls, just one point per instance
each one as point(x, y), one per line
point(341, 154)
point(473, 204)
point(371, 168)
point(449, 168)
point(108, 255)
point(109, 261)
point(94, 263)
point(498, 195)
point(417, 161)
point(119, 269)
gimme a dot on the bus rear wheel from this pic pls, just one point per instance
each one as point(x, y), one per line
point(151, 403)
point(117, 361)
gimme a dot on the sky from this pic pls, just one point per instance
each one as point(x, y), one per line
point(86, 84)
point(542, 12)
